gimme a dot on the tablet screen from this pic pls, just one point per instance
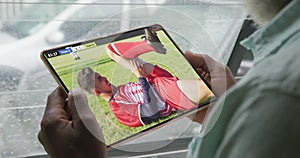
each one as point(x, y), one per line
point(135, 81)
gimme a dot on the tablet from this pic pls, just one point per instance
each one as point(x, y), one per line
point(136, 81)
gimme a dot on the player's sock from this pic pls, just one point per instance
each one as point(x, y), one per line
point(130, 50)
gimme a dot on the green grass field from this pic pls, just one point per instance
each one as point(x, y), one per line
point(96, 58)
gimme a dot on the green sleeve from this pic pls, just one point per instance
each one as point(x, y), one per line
point(265, 125)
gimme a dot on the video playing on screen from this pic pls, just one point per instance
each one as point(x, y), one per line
point(134, 81)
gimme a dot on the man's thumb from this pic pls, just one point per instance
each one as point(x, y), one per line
point(78, 105)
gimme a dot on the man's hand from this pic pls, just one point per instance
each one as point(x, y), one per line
point(216, 75)
point(64, 137)
point(219, 77)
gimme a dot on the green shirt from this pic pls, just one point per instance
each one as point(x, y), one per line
point(260, 115)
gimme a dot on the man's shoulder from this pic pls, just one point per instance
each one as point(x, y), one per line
point(278, 71)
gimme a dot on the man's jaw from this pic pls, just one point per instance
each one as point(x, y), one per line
point(263, 11)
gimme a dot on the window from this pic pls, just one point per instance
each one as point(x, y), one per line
point(25, 23)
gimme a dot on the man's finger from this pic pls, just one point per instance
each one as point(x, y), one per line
point(55, 105)
point(78, 106)
point(196, 60)
point(204, 75)
point(82, 116)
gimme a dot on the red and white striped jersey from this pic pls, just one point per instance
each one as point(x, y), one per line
point(125, 104)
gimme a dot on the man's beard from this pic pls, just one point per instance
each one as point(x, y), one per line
point(262, 11)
